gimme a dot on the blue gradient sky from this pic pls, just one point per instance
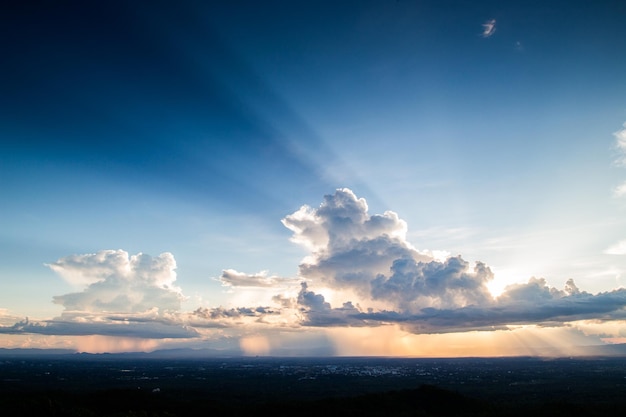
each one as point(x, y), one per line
point(194, 129)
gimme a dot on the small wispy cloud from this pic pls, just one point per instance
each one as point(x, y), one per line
point(620, 159)
point(617, 249)
point(620, 145)
point(620, 190)
point(489, 28)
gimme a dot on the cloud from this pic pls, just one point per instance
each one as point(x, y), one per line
point(233, 278)
point(360, 272)
point(127, 296)
point(136, 296)
point(620, 146)
point(370, 255)
point(392, 282)
point(349, 248)
point(6, 317)
point(318, 313)
point(531, 303)
point(414, 285)
point(220, 312)
point(620, 190)
point(489, 28)
point(620, 160)
point(84, 327)
point(618, 249)
point(119, 282)
point(340, 216)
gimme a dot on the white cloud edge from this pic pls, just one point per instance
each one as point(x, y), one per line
point(618, 248)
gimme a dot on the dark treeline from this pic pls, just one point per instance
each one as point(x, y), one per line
point(426, 400)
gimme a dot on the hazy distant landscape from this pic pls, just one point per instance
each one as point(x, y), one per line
point(131, 385)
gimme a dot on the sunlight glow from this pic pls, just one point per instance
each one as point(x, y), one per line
point(393, 341)
point(255, 345)
point(110, 344)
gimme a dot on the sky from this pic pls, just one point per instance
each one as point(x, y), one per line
point(377, 177)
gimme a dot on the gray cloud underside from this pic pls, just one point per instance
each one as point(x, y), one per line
point(233, 278)
point(227, 317)
point(145, 329)
point(498, 315)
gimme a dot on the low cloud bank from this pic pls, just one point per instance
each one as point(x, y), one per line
point(127, 327)
point(362, 262)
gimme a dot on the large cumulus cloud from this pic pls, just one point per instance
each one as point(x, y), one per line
point(119, 282)
point(124, 295)
point(349, 248)
point(522, 304)
point(370, 255)
point(414, 285)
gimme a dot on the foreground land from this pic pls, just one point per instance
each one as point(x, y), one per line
point(105, 385)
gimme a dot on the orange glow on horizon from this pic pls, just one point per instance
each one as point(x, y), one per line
point(393, 341)
point(112, 344)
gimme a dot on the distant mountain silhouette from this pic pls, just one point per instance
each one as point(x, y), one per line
point(35, 352)
point(615, 350)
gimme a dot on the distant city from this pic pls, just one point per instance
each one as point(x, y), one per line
point(92, 382)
